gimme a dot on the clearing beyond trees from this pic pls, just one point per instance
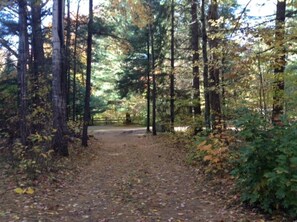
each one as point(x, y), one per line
point(129, 176)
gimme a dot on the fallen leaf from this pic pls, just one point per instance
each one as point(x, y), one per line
point(19, 190)
point(29, 190)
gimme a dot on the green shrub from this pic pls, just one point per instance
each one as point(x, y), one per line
point(34, 159)
point(266, 170)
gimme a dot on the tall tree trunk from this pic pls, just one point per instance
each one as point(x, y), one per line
point(196, 100)
point(75, 63)
point(195, 59)
point(205, 66)
point(60, 142)
point(214, 68)
point(172, 70)
point(37, 41)
point(88, 77)
point(261, 88)
point(223, 91)
point(22, 70)
point(68, 57)
point(154, 93)
point(39, 78)
point(148, 95)
point(280, 63)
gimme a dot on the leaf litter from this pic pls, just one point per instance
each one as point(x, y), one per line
point(125, 177)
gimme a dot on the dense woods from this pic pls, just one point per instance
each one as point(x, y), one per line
point(212, 66)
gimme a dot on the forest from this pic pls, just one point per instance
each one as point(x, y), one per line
point(215, 79)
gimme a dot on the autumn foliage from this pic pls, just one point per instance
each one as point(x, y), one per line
point(214, 153)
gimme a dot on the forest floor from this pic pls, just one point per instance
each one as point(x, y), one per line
point(125, 176)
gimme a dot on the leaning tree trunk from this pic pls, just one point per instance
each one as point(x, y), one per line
point(60, 143)
point(22, 70)
point(214, 68)
point(205, 66)
point(88, 77)
point(280, 63)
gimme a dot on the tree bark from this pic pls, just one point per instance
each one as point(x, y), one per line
point(148, 95)
point(37, 41)
point(22, 70)
point(154, 93)
point(280, 63)
point(68, 58)
point(60, 142)
point(205, 66)
point(40, 98)
point(172, 70)
point(214, 69)
point(261, 87)
point(88, 77)
point(75, 63)
point(196, 110)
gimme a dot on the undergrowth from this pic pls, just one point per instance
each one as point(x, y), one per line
point(266, 171)
point(36, 158)
point(260, 157)
point(212, 151)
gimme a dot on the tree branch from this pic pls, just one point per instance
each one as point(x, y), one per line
point(6, 45)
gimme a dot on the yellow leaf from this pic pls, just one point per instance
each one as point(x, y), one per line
point(29, 190)
point(19, 190)
point(16, 217)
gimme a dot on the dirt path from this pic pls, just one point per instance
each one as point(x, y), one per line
point(131, 178)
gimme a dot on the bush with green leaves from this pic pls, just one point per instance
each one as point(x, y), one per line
point(266, 170)
point(34, 158)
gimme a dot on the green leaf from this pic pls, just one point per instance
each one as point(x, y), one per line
point(281, 170)
point(293, 161)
